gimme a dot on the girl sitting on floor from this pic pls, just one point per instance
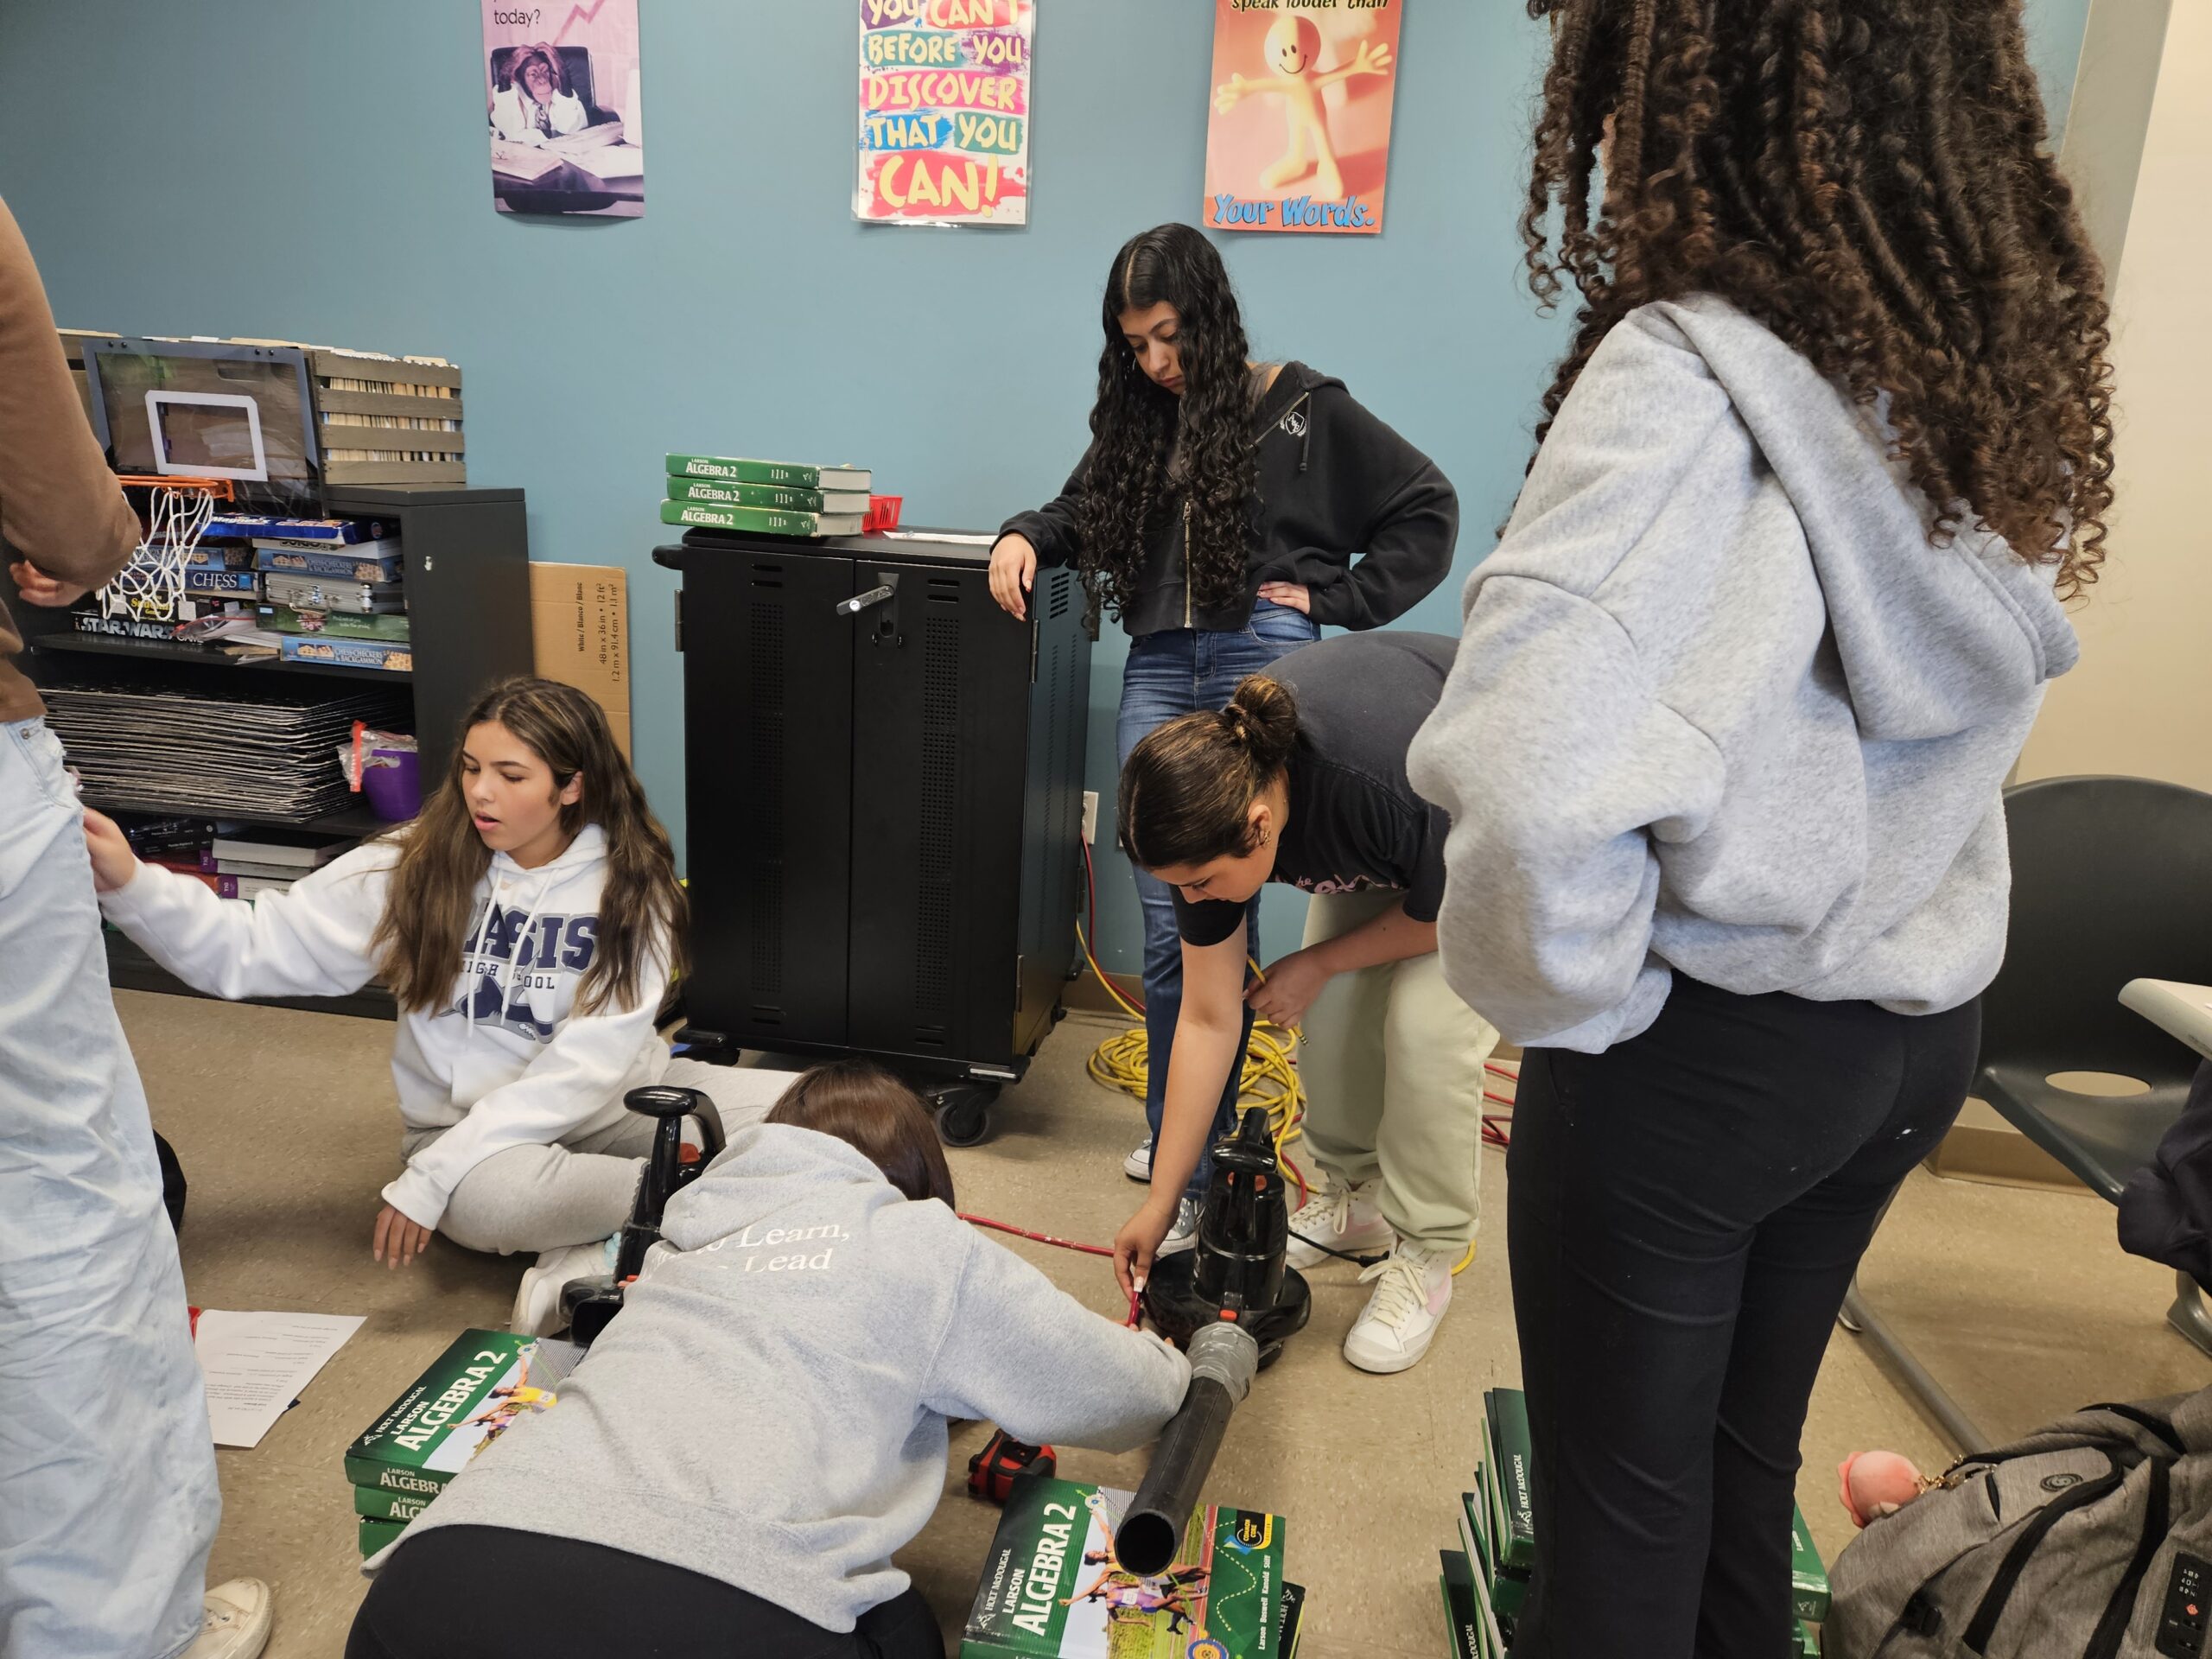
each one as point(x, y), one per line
point(528, 924)
point(762, 1426)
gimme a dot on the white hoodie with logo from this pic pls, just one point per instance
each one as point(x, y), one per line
point(502, 1060)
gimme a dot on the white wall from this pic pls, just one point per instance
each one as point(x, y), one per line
point(2140, 702)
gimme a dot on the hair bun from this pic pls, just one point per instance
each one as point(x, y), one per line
point(1262, 718)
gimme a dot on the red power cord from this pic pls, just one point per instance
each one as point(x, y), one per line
point(1136, 1306)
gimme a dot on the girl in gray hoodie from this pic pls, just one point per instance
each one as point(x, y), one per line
point(1724, 742)
point(733, 1466)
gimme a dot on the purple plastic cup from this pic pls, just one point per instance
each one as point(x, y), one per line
point(394, 792)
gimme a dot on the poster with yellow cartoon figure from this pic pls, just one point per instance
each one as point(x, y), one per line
point(1299, 136)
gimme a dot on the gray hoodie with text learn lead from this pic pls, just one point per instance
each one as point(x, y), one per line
point(770, 1407)
point(1720, 707)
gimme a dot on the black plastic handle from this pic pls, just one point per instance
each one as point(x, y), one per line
point(666, 1100)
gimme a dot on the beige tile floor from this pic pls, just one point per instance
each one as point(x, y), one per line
point(285, 1124)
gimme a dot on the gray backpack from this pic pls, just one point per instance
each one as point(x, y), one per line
point(2091, 1539)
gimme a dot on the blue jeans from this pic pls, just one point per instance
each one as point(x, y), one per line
point(1177, 671)
point(107, 1471)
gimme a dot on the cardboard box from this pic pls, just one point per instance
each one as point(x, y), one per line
point(1983, 1147)
point(580, 619)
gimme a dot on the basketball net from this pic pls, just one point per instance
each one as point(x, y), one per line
point(150, 588)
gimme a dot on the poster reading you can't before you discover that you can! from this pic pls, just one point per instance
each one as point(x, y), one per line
point(1300, 137)
point(944, 111)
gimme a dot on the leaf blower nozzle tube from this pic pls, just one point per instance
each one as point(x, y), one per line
point(1224, 1357)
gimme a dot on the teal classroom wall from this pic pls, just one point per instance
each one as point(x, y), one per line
point(243, 167)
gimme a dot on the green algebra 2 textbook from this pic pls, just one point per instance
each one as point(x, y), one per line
point(1051, 1589)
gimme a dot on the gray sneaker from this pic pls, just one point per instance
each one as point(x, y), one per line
point(1138, 1165)
point(1184, 1235)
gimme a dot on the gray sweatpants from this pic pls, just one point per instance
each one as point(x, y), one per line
point(579, 1191)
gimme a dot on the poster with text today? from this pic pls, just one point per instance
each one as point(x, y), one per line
point(1299, 138)
point(562, 102)
point(944, 111)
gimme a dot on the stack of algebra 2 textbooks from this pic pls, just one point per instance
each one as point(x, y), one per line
point(1051, 1589)
point(1485, 1580)
point(479, 1387)
point(773, 498)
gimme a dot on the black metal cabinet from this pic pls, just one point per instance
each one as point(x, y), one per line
point(884, 782)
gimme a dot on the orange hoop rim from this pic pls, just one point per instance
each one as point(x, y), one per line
point(220, 488)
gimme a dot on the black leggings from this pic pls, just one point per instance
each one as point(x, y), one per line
point(1687, 1211)
point(489, 1593)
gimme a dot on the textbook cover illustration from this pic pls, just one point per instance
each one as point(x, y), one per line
point(478, 1388)
point(1051, 1589)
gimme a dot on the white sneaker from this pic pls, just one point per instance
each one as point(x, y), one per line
point(537, 1299)
point(1184, 1235)
point(234, 1623)
point(1138, 1165)
point(1344, 1218)
point(1411, 1289)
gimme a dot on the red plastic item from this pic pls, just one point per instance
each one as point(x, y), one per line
point(993, 1471)
point(882, 513)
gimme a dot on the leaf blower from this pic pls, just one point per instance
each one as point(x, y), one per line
point(1231, 1303)
point(587, 1305)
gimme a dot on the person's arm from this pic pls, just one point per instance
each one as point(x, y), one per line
point(1046, 536)
point(1052, 528)
point(506, 115)
point(60, 509)
point(312, 940)
point(1559, 765)
point(1406, 554)
point(1390, 517)
point(1209, 1046)
point(1022, 1353)
point(571, 1079)
point(1292, 984)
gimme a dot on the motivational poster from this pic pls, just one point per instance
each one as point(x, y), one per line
point(562, 101)
point(1299, 136)
point(944, 111)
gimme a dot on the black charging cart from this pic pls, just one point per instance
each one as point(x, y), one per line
point(884, 802)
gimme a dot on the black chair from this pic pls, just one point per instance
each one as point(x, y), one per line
point(2112, 880)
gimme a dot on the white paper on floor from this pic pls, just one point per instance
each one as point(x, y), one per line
point(257, 1363)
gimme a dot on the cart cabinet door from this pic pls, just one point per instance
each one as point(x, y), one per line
point(768, 710)
point(940, 719)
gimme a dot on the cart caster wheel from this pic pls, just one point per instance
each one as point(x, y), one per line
point(964, 1116)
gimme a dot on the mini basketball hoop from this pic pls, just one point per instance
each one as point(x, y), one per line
point(175, 511)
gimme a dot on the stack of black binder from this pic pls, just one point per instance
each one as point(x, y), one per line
point(267, 750)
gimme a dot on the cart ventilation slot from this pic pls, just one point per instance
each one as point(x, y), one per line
point(765, 796)
point(940, 808)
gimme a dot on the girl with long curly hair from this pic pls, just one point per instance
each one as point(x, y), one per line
point(1225, 510)
point(528, 924)
point(1725, 744)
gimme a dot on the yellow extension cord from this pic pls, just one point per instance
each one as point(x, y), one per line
point(1270, 1080)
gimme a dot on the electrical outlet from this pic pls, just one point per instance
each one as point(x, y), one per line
point(1091, 817)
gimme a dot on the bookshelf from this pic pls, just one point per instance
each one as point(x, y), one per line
point(467, 576)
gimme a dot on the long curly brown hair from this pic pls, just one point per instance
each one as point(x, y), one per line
point(1869, 179)
point(1136, 428)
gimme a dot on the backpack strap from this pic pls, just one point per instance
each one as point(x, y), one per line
point(2000, 1594)
point(2163, 1427)
point(2120, 1611)
point(2191, 1416)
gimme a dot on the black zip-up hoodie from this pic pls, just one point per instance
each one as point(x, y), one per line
point(1347, 508)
